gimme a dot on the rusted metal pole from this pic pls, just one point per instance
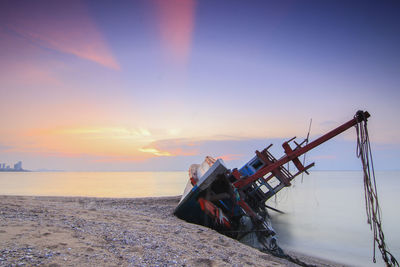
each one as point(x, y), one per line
point(360, 116)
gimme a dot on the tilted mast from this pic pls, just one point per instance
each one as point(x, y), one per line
point(275, 167)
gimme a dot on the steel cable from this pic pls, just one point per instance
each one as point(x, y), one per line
point(373, 211)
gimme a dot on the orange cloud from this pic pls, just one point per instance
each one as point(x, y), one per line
point(155, 151)
point(102, 143)
point(64, 26)
point(176, 23)
point(111, 159)
point(172, 147)
point(230, 157)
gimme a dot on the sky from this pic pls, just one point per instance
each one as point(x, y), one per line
point(156, 85)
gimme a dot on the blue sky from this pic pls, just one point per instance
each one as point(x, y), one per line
point(157, 85)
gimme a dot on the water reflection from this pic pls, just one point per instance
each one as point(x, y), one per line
point(93, 184)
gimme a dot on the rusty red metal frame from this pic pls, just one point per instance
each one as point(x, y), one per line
point(292, 155)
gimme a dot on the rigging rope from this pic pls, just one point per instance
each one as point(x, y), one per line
point(373, 210)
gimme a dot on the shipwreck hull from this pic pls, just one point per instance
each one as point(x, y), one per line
point(233, 202)
point(212, 202)
point(189, 208)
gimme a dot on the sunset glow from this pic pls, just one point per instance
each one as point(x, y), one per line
point(158, 85)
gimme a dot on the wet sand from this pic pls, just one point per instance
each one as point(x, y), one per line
point(74, 231)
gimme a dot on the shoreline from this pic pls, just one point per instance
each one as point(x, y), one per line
point(66, 231)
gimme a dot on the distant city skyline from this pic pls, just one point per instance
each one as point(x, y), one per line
point(17, 166)
point(157, 85)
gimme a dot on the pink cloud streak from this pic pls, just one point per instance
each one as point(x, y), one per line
point(176, 23)
point(62, 26)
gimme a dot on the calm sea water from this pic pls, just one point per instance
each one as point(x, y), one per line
point(93, 184)
point(324, 214)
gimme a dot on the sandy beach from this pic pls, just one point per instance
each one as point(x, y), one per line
point(74, 231)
